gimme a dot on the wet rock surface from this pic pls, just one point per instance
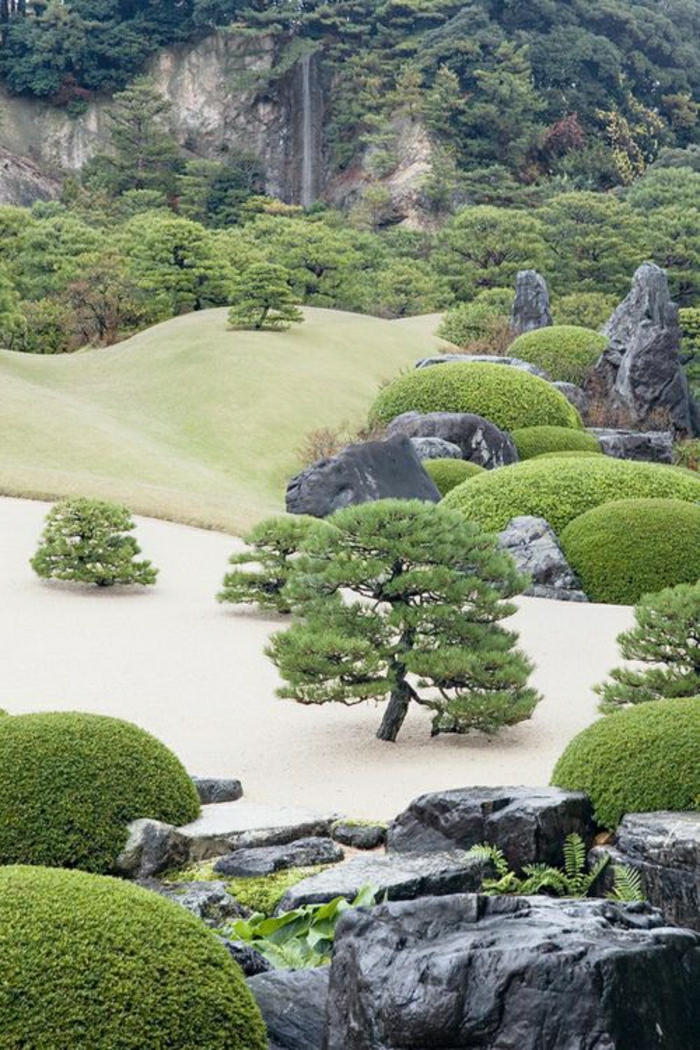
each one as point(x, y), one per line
point(293, 1005)
point(265, 860)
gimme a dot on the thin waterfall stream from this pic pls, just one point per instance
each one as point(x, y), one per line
point(308, 152)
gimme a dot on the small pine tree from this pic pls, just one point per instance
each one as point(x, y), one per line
point(260, 574)
point(397, 597)
point(262, 298)
point(666, 637)
point(84, 540)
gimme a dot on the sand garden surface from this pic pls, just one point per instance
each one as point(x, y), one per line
point(193, 672)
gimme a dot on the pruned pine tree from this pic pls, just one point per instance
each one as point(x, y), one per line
point(262, 298)
point(666, 638)
point(260, 574)
point(402, 601)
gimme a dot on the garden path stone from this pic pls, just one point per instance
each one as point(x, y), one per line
point(264, 860)
point(215, 789)
point(230, 826)
point(293, 1005)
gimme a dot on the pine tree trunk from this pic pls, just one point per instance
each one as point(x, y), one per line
point(395, 713)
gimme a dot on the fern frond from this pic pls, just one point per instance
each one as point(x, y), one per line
point(628, 885)
point(490, 853)
point(574, 856)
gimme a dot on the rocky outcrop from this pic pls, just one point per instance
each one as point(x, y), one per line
point(363, 473)
point(151, 848)
point(264, 860)
point(528, 824)
point(534, 548)
point(214, 790)
point(435, 448)
point(360, 836)
point(480, 440)
point(209, 901)
point(22, 182)
point(522, 973)
point(653, 446)
point(485, 359)
point(531, 308)
point(293, 1005)
point(641, 369)
point(578, 397)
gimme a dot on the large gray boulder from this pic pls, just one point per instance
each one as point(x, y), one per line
point(152, 847)
point(265, 860)
point(480, 440)
point(528, 824)
point(509, 973)
point(533, 546)
point(531, 308)
point(361, 473)
point(484, 359)
point(293, 1005)
point(435, 448)
point(642, 369)
point(652, 446)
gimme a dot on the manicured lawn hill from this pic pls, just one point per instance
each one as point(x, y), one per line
point(190, 420)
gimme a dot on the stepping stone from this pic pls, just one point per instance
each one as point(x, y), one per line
point(215, 789)
point(228, 826)
point(264, 860)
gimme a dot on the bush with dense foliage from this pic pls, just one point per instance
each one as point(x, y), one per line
point(624, 550)
point(89, 961)
point(508, 397)
point(260, 573)
point(637, 761)
point(70, 784)
point(86, 541)
point(466, 323)
point(585, 309)
point(447, 473)
point(536, 441)
point(568, 454)
point(565, 352)
point(665, 637)
point(562, 489)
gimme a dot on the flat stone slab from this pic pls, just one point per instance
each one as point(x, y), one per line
point(228, 826)
point(217, 789)
point(264, 860)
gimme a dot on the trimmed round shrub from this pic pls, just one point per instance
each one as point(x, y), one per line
point(508, 397)
point(536, 441)
point(447, 473)
point(568, 454)
point(70, 783)
point(633, 547)
point(93, 962)
point(585, 309)
point(565, 352)
point(638, 760)
point(560, 490)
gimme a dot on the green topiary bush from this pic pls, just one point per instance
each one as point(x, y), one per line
point(507, 396)
point(92, 963)
point(637, 761)
point(568, 454)
point(560, 490)
point(447, 473)
point(536, 441)
point(70, 783)
point(633, 547)
point(565, 352)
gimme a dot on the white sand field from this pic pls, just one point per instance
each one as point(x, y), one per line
point(191, 671)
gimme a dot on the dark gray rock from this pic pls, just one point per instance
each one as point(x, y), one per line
point(653, 446)
point(509, 973)
point(264, 860)
point(293, 1005)
point(578, 397)
point(484, 359)
point(399, 877)
point(534, 548)
point(151, 848)
point(209, 901)
point(360, 836)
point(361, 474)
point(531, 308)
point(528, 824)
point(642, 369)
point(230, 826)
point(214, 790)
point(248, 958)
point(480, 441)
point(435, 448)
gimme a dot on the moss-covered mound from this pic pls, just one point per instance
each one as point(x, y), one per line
point(448, 473)
point(536, 441)
point(507, 396)
point(638, 760)
point(92, 963)
point(560, 490)
point(568, 454)
point(626, 549)
point(70, 783)
point(565, 352)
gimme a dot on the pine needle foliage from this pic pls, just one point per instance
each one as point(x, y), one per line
point(260, 574)
point(262, 298)
point(666, 638)
point(402, 600)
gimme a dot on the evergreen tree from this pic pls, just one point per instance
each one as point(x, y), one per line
point(402, 600)
point(261, 573)
point(666, 637)
point(11, 318)
point(262, 298)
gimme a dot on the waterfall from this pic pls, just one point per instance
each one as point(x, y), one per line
point(308, 141)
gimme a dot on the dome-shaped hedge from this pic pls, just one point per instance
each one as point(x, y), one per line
point(560, 490)
point(568, 454)
point(447, 473)
point(638, 760)
point(92, 963)
point(70, 783)
point(629, 548)
point(536, 441)
point(507, 396)
point(565, 352)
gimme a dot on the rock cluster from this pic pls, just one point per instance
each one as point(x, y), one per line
point(487, 359)
point(480, 441)
point(534, 548)
point(653, 446)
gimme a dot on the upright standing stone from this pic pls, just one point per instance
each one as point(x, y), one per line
point(531, 307)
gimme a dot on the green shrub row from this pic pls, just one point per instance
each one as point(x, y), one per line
point(448, 473)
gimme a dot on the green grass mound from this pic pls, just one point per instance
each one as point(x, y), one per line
point(565, 352)
point(92, 963)
point(564, 489)
point(508, 397)
point(633, 547)
point(447, 473)
point(568, 454)
point(70, 783)
point(638, 760)
point(537, 441)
